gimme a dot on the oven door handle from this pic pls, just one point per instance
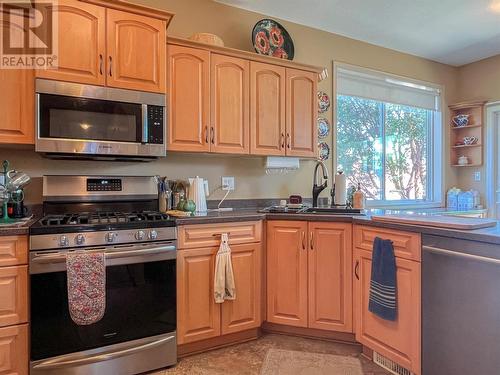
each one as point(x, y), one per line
point(114, 254)
point(78, 361)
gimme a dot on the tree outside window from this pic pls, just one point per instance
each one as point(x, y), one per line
point(385, 147)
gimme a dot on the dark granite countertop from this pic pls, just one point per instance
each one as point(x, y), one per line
point(488, 235)
point(18, 229)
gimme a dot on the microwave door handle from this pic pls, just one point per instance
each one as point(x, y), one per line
point(145, 125)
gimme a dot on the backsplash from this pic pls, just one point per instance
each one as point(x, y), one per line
point(251, 180)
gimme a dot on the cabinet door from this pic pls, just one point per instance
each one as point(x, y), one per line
point(17, 106)
point(398, 340)
point(13, 295)
point(136, 51)
point(330, 277)
point(198, 316)
point(301, 113)
point(245, 311)
point(229, 105)
point(287, 272)
point(14, 357)
point(82, 43)
point(267, 109)
point(188, 93)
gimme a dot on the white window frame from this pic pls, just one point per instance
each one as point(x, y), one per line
point(436, 149)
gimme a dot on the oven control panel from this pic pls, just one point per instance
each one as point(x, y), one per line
point(104, 184)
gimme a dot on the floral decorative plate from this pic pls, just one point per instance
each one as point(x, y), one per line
point(323, 151)
point(323, 102)
point(323, 127)
point(272, 39)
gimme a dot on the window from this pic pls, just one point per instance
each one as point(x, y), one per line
point(386, 137)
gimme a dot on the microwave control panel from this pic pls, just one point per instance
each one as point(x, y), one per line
point(155, 124)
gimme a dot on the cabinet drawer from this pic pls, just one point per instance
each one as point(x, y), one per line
point(207, 235)
point(407, 245)
point(13, 295)
point(14, 350)
point(13, 250)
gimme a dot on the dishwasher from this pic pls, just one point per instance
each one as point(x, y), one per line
point(460, 307)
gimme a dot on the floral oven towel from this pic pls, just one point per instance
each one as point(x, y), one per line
point(86, 274)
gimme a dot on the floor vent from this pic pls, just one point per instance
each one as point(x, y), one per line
point(390, 365)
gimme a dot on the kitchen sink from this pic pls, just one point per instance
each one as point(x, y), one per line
point(332, 211)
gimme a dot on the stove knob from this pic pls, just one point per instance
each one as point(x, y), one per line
point(80, 239)
point(140, 235)
point(153, 235)
point(63, 241)
point(110, 237)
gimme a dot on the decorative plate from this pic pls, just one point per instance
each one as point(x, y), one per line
point(323, 127)
point(323, 102)
point(323, 151)
point(272, 39)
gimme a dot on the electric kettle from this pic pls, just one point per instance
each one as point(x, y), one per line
point(198, 192)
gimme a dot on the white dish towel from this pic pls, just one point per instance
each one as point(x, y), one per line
point(224, 288)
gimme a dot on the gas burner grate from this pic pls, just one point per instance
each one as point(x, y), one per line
point(92, 218)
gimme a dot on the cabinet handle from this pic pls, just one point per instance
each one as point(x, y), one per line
point(206, 134)
point(303, 240)
point(282, 143)
point(212, 132)
point(110, 66)
point(356, 269)
point(101, 61)
point(311, 241)
point(288, 140)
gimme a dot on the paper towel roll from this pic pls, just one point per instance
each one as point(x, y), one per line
point(340, 189)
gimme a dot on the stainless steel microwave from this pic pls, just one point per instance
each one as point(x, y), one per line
point(85, 121)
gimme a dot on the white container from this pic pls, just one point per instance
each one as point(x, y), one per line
point(452, 198)
point(198, 193)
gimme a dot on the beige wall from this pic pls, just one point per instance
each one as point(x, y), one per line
point(234, 26)
point(478, 81)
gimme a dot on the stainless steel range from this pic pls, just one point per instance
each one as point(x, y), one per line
point(117, 216)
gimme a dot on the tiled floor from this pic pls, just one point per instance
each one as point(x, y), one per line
point(247, 358)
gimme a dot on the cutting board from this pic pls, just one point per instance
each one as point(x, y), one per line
point(450, 222)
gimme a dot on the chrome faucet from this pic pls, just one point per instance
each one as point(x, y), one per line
point(317, 189)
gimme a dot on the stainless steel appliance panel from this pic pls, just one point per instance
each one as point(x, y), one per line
point(461, 307)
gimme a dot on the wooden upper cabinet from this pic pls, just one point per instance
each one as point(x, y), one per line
point(198, 316)
point(136, 51)
point(17, 106)
point(287, 272)
point(399, 340)
point(229, 112)
point(188, 93)
point(267, 109)
point(301, 113)
point(82, 43)
point(330, 276)
point(245, 311)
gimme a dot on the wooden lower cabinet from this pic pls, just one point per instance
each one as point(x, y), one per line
point(199, 317)
point(14, 350)
point(287, 273)
point(330, 276)
point(245, 311)
point(400, 340)
point(13, 295)
point(309, 282)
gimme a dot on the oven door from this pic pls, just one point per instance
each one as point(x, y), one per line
point(140, 304)
point(92, 120)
